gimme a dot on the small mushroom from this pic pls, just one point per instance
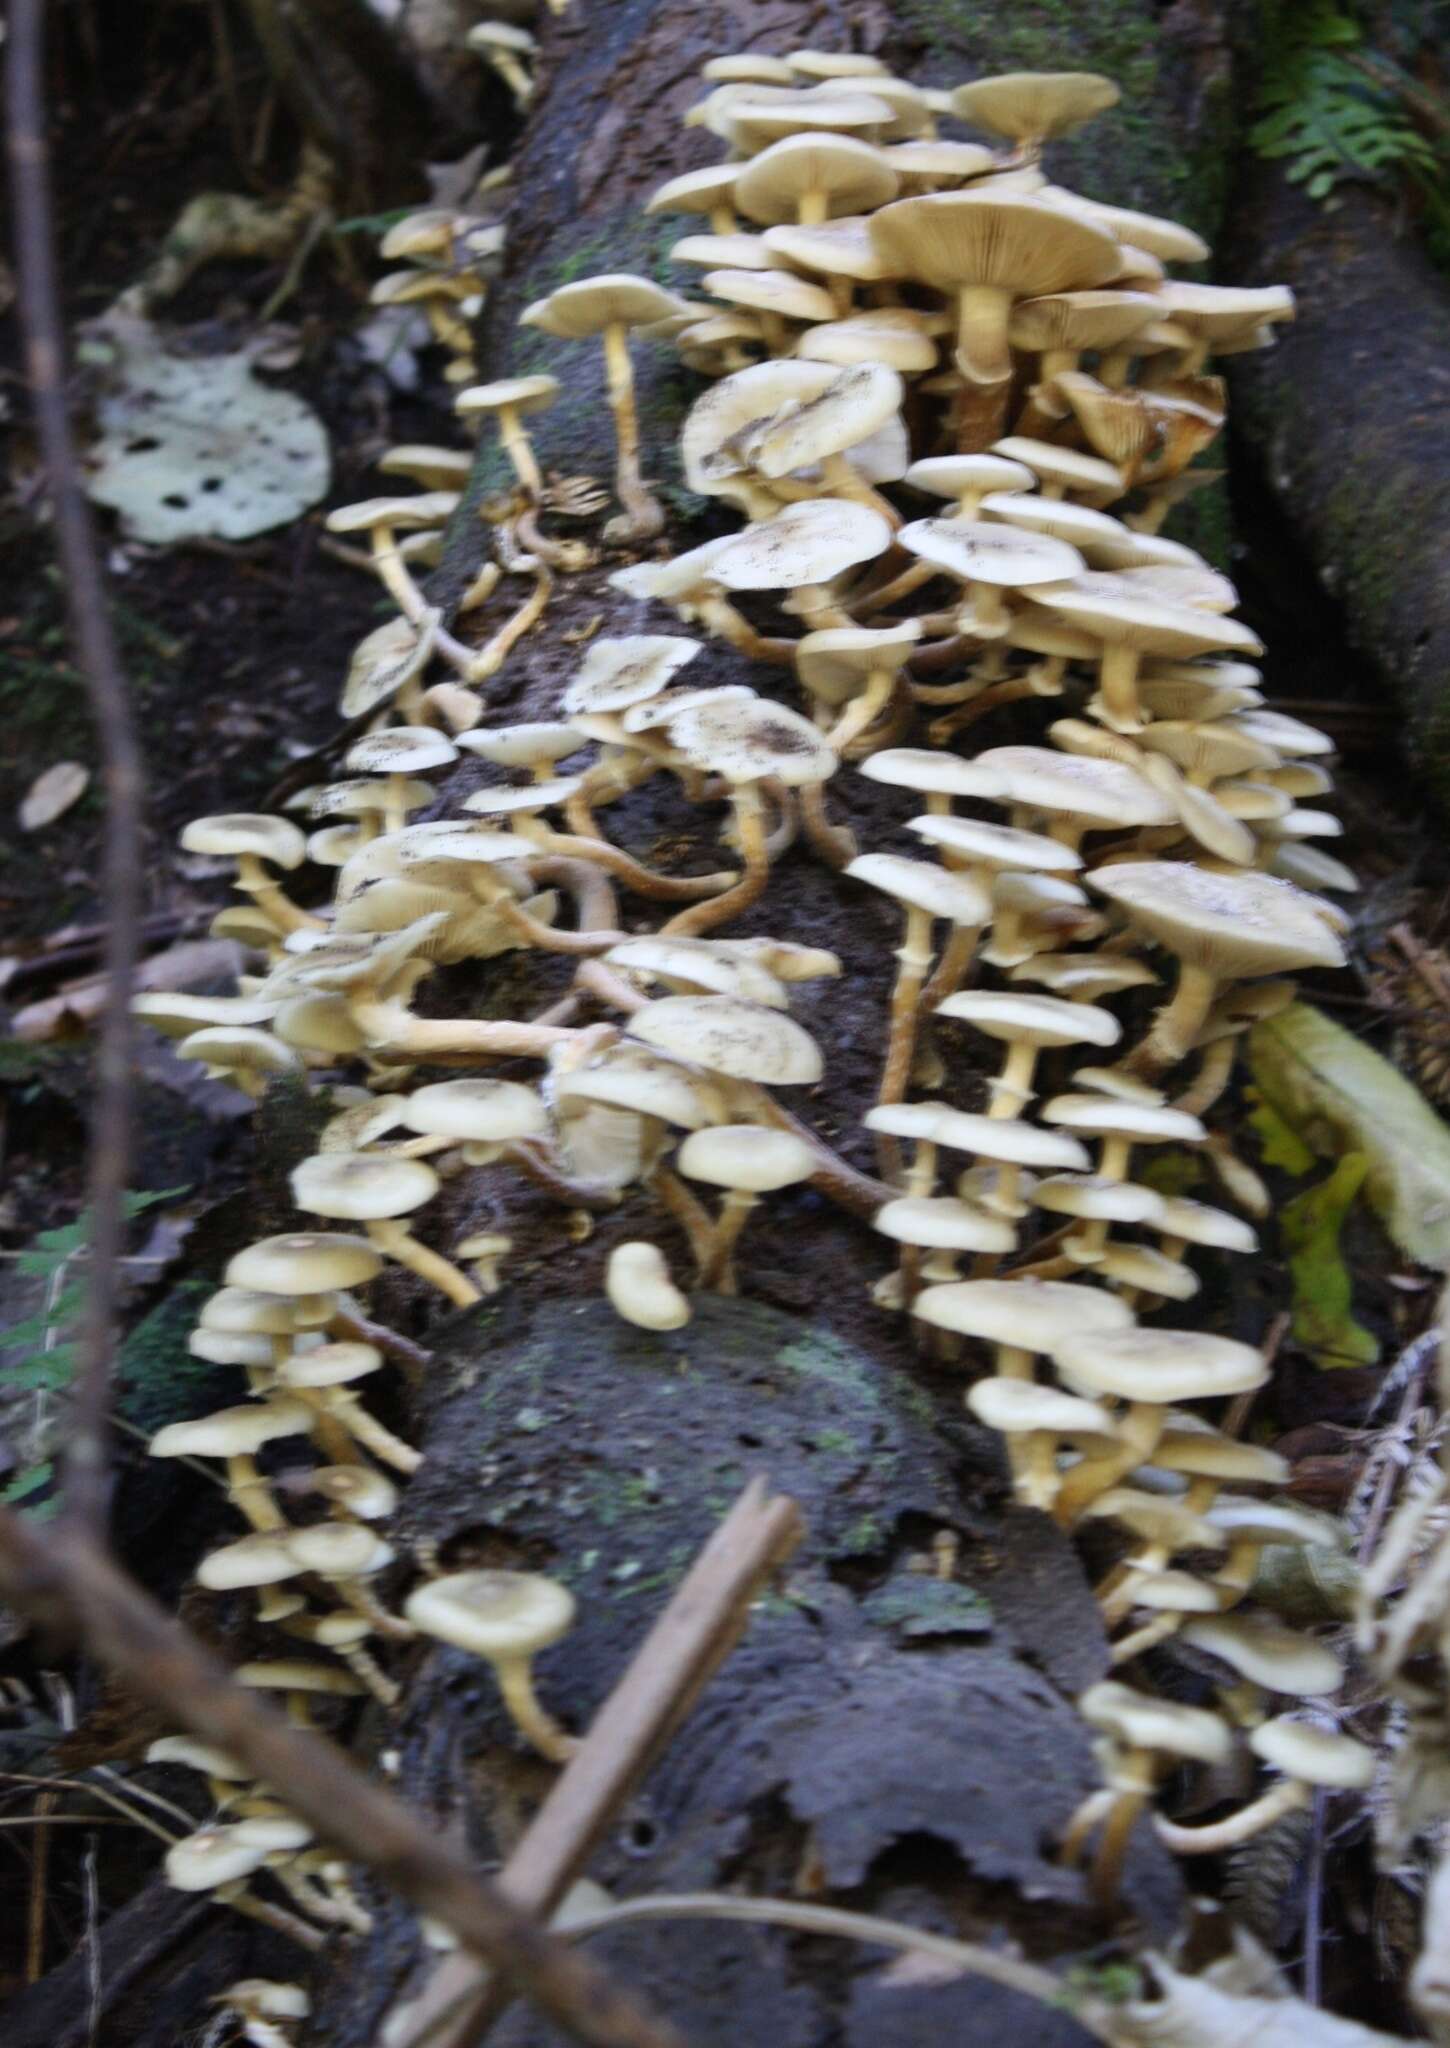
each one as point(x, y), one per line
point(747, 1160)
point(372, 1188)
point(506, 1618)
point(638, 1284)
point(1308, 1757)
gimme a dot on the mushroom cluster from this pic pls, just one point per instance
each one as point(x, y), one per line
point(895, 316)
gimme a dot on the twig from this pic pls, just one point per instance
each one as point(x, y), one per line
point(38, 298)
point(695, 1633)
point(63, 1577)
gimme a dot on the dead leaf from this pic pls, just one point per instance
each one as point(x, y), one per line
point(52, 794)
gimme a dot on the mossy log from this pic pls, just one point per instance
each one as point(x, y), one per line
point(1349, 418)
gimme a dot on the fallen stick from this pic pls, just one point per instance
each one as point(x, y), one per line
point(691, 1639)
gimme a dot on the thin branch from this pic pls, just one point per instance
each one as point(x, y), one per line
point(63, 1578)
point(38, 296)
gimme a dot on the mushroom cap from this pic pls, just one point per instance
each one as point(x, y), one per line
point(305, 1262)
point(922, 885)
point(329, 1365)
point(1155, 1518)
point(244, 1310)
point(1084, 976)
point(1082, 320)
point(1234, 924)
point(853, 176)
point(746, 738)
point(627, 669)
point(232, 1432)
point(261, 1559)
point(1071, 467)
point(1213, 748)
point(708, 964)
point(834, 662)
point(699, 191)
point(1007, 241)
point(1167, 239)
point(638, 1283)
point(1133, 1720)
point(1317, 1756)
point(499, 1615)
point(987, 845)
point(197, 1756)
point(1108, 1116)
point(1278, 1658)
point(1004, 1139)
point(1162, 1366)
point(427, 509)
point(1170, 1592)
point(1137, 619)
point(665, 708)
point(743, 403)
point(1219, 311)
point(361, 1187)
point(1243, 1518)
point(1025, 1404)
point(757, 116)
point(296, 1674)
point(933, 772)
point(735, 251)
point(477, 1109)
point(1139, 1266)
point(501, 799)
point(1188, 1444)
point(834, 64)
point(924, 163)
point(241, 1048)
point(211, 1857)
point(276, 840)
point(1096, 535)
point(522, 746)
point(226, 1347)
point(401, 750)
point(754, 1158)
point(340, 1550)
point(976, 551)
point(836, 248)
point(576, 311)
point(855, 404)
point(955, 476)
point(944, 1223)
point(896, 335)
point(1094, 1199)
point(806, 544)
point(1028, 1315)
point(1284, 735)
point(771, 291)
point(1104, 792)
point(1033, 106)
point(1026, 1019)
point(1201, 1223)
point(752, 67)
point(628, 1077)
point(730, 1036)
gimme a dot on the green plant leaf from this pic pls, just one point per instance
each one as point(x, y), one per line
point(1337, 1096)
point(1323, 1296)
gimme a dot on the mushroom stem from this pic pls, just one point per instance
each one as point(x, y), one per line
point(632, 873)
point(252, 1494)
point(575, 1194)
point(863, 710)
point(1138, 1431)
point(914, 962)
point(836, 844)
point(1118, 687)
point(520, 451)
point(691, 1215)
point(984, 361)
point(952, 968)
point(395, 1034)
point(1290, 1795)
point(643, 517)
point(366, 1430)
point(269, 896)
point(516, 1686)
point(842, 1183)
point(750, 834)
point(1177, 1024)
point(391, 1237)
point(1011, 1089)
point(489, 659)
point(717, 1272)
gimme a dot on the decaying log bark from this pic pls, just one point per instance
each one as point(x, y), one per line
point(1349, 417)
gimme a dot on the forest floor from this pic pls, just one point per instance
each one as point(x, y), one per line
point(235, 656)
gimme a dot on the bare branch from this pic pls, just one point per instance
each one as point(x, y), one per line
point(38, 294)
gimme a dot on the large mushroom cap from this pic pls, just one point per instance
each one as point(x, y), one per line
point(932, 772)
point(1034, 106)
point(480, 1111)
point(1319, 1756)
point(495, 1614)
point(1004, 1139)
point(922, 885)
point(1131, 617)
point(1161, 1366)
point(954, 476)
point(838, 248)
point(401, 750)
point(746, 738)
point(276, 840)
point(362, 1186)
point(304, 1262)
point(575, 311)
point(944, 1223)
point(1007, 241)
point(743, 1040)
point(1230, 924)
point(1029, 1315)
point(806, 544)
point(1024, 1404)
point(976, 551)
point(232, 1432)
point(1135, 1721)
point(1103, 792)
point(627, 669)
point(987, 845)
point(857, 403)
point(1266, 1654)
point(834, 662)
point(1082, 320)
point(754, 1158)
point(850, 176)
point(1026, 1019)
